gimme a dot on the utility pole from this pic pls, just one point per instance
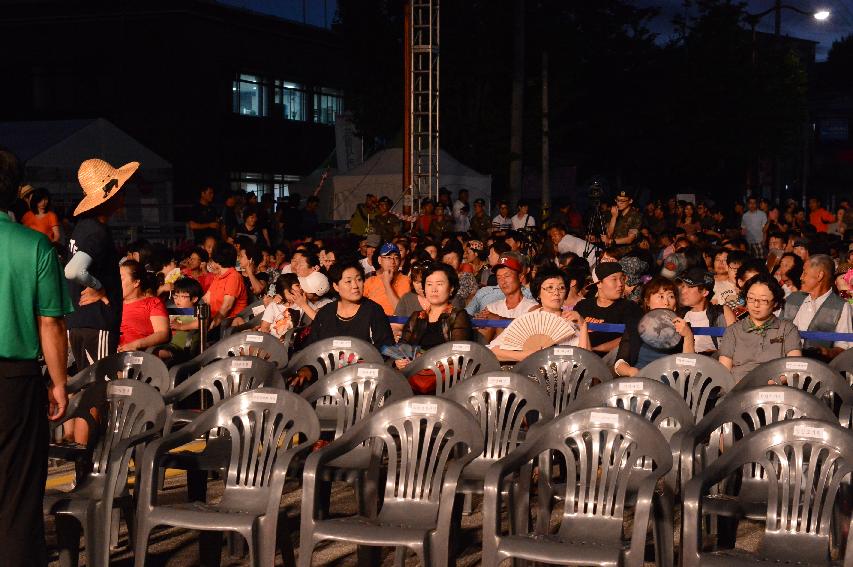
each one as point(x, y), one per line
point(516, 140)
point(546, 172)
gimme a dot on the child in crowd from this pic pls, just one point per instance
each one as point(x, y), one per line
point(185, 335)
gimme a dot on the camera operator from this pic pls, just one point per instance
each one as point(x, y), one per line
point(625, 222)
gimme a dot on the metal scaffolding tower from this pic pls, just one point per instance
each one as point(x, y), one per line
point(423, 100)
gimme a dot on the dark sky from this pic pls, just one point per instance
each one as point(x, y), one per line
point(839, 24)
point(314, 12)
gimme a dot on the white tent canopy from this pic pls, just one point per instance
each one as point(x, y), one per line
point(382, 175)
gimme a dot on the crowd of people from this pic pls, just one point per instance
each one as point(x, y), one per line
point(764, 272)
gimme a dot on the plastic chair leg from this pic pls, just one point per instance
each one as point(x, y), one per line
point(210, 548)
point(68, 531)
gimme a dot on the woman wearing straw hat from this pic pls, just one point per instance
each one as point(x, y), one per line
point(93, 271)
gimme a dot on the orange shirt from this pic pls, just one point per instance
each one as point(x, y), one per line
point(374, 289)
point(229, 282)
point(43, 224)
point(818, 218)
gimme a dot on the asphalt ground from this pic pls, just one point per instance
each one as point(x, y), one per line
point(177, 547)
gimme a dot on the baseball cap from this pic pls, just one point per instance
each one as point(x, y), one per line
point(624, 195)
point(697, 277)
point(508, 262)
point(479, 202)
point(389, 248)
point(315, 283)
point(475, 245)
point(386, 200)
point(606, 269)
point(372, 240)
point(673, 265)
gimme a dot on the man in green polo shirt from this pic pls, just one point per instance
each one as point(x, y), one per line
point(34, 302)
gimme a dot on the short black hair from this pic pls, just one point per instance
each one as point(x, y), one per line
point(737, 257)
point(190, 286)
point(225, 255)
point(452, 276)
point(251, 249)
point(336, 272)
point(750, 265)
point(546, 274)
point(201, 253)
point(39, 194)
point(772, 285)
point(10, 178)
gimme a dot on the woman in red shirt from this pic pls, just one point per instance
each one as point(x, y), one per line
point(40, 217)
point(144, 319)
point(227, 293)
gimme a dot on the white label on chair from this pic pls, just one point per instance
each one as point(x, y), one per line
point(258, 309)
point(498, 381)
point(254, 338)
point(685, 361)
point(806, 431)
point(603, 417)
point(241, 364)
point(459, 347)
point(134, 360)
point(777, 397)
point(564, 351)
point(117, 390)
point(427, 408)
point(341, 344)
point(796, 366)
point(367, 373)
point(630, 386)
point(264, 398)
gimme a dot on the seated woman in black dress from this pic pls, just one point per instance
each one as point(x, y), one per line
point(351, 315)
point(440, 322)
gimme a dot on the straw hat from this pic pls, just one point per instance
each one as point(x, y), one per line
point(101, 181)
point(25, 190)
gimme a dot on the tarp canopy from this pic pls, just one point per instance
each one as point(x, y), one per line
point(382, 175)
point(53, 151)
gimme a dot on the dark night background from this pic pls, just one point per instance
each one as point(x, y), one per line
point(658, 96)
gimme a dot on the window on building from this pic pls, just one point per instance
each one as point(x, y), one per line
point(288, 100)
point(260, 184)
point(327, 103)
point(249, 95)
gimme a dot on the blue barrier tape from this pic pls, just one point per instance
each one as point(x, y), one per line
point(600, 327)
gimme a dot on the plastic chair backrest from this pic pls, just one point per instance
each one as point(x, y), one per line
point(133, 365)
point(357, 391)
point(505, 404)
point(564, 372)
point(328, 355)
point(700, 380)
point(602, 449)
point(743, 412)
point(843, 364)
point(453, 362)
point(133, 408)
point(806, 461)
point(806, 374)
point(228, 377)
point(252, 310)
point(648, 398)
point(424, 439)
point(249, 324)
point(266, 427)
point(247, 343)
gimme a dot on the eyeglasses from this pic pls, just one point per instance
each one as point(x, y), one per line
point(763, 302)
point(551, 289)
point(181, 295)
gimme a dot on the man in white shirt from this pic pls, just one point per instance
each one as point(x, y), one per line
point(752, 225)
point(367, 248)
point(817, 308)
point(522, 218)
point(461, 201)
point(696, 287)
point(564, 242)
point(502, 221)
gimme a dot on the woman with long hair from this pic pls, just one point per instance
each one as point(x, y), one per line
point(40, 217)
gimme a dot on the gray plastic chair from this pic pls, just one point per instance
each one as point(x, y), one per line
point(453, 362)
point(807, 374)
point(252, 323)
point(352, 394)
point(601, 448)
point(805, 460)
point(427, 441)
point(327, 355)
point(134, 413)
point(564, 372)
point(843, 364)
point(246, 343)
point(135, 365)
point(267, 427)
point(738, 415)
point(700, 380)
point(508, 407)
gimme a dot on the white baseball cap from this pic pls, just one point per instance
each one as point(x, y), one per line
point(315, 283)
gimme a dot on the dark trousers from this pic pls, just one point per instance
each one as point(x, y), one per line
point(23, 464)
